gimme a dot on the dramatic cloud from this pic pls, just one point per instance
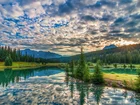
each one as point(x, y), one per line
point(62, 26)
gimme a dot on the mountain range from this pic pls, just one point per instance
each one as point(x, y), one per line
point(112, 49)
point(40, 54)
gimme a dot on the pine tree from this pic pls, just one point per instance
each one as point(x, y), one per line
point(98, 76)
point(82, 71)
point(8, 61)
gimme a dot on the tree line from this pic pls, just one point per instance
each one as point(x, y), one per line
point(9, 55)
point(127, 54)
point(128, 57)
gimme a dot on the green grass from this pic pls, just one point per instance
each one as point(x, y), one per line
point(56, 64)
point(130, 80)
point(120, 77)
point(28, 65)
point(137, 66)
point(20, 65)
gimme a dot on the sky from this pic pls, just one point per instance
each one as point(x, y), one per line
point(63, 26)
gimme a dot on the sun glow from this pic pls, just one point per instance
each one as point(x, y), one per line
point(124, 42)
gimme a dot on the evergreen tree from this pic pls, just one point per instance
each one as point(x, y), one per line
point(8, 61)
point(82, 71)
point(98, 76)
point(138, 83)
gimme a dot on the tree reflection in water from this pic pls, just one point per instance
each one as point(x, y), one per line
point(137, 96)
point(67, 78)
point(98, 91)
point(13, 76)
point(84, 89)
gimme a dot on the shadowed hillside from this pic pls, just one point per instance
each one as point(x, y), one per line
point(124, 54)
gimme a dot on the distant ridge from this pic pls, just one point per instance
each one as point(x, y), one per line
point(40, 54)
point(110, 47)
point(100, 53)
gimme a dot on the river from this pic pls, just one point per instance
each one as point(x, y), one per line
point(50, 86)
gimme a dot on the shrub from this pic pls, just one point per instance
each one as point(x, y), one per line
point(115, 65)
point(113, 72)
point(114, 84)
point(124, 66)
point(125, 83)
point(132, 66)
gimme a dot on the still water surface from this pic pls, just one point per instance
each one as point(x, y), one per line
point(50, 86)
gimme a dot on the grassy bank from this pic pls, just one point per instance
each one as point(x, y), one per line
point(136, 66)
point(20, 65)
point(62, 65)
point(29, 65)
point(126, 81)
point(120, 80)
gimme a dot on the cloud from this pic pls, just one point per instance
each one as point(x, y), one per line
point(64, 25)
point(88, 18)
point(11, 11)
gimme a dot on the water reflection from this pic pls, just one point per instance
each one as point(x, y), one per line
point(100, 95)
point(67, 78)
point(121, 71)
point(97, 91)
point(137, 98)
point(14, 76)
point(84, 89)
point(51, 86)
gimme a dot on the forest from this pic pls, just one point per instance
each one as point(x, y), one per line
point(129, 54)
point(15, 55)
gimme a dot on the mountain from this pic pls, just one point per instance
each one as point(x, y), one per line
point(40, 54)
point(134, 50)
point(110, 47)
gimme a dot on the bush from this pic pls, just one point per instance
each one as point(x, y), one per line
point(124, 66)
point(113, 72)
point(115, 65)
point(131, 66)
point(125, 83)
point(8, 61)
point(114, 84)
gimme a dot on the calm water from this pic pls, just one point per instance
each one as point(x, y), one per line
point(51, 86)
point(119, 71)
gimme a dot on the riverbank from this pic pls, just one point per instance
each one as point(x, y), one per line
point(29, 65)
point(123, 81)
point(120, 80)
point(118, 65)
point(20, 65)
